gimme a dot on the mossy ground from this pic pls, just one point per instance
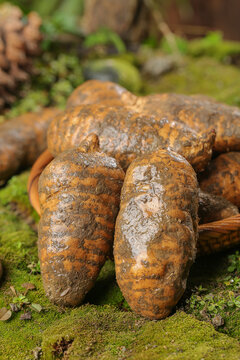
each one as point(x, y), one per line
point(200, 76)
point(104, 327)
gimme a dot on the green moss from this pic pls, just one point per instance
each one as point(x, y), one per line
point(17, 250)
point(106, 290)
point(14, 195)
point(55, 79)
point(213, 290)
point(200, 76)
point(213, 45)
point(107, 333)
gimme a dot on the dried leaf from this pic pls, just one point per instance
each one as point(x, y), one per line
point(26, 316)
point(13, 290)
point(36, 307)
point(5, 314)
point(29, 286)
point(14, 307)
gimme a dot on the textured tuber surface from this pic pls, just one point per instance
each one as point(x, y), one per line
point(95, 91)
point(198, 112)
point(222, 177)
point(79, 198)
point(156, 232)
point(125, 134)
point(22, 140)
point(213, 208)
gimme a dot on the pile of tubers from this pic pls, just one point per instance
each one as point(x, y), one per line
point(132, 175)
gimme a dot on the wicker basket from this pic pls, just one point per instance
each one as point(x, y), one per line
point(213, 237)
point(219, 235)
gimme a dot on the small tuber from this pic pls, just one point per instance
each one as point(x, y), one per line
point(79, 196)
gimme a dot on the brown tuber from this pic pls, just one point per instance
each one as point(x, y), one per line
point(79, 196)
point(198, 112)
point(22, 140)
point(126, 134)
point(214, 208)
point(156, 232)
point(222, 177)
point(104, 92)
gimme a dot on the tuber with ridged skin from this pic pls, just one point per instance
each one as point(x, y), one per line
point(198, 112)
point(222, 177)
point(126, 134)
point(156, 232)
point(22, 140)
point(79, 196)
point(214, 208)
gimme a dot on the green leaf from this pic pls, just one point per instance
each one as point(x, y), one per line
point(105, 36)
point(36, 307)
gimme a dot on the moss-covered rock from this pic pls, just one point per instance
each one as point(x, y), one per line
point(116, 70)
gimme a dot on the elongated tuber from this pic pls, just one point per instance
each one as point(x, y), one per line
point(156, 232)
point(22, 140)
point(125, 134)
point(79, 198)
point(222, 177)
point(214, 208)
point(198, 112)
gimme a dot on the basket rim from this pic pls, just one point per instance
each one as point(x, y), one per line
point(229, 224)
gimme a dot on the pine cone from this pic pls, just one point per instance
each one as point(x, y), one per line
point(19, 42)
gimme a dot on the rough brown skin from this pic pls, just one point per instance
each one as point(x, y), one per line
point(156, 232)
point(214, 208)
point(198, 112)
point(22, 140)
point(79, 197)
point(222, 177)
point(95, 91)
point(91, 143)
point(126, 134)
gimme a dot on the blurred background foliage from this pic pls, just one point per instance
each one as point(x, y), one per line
point(149, 39)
